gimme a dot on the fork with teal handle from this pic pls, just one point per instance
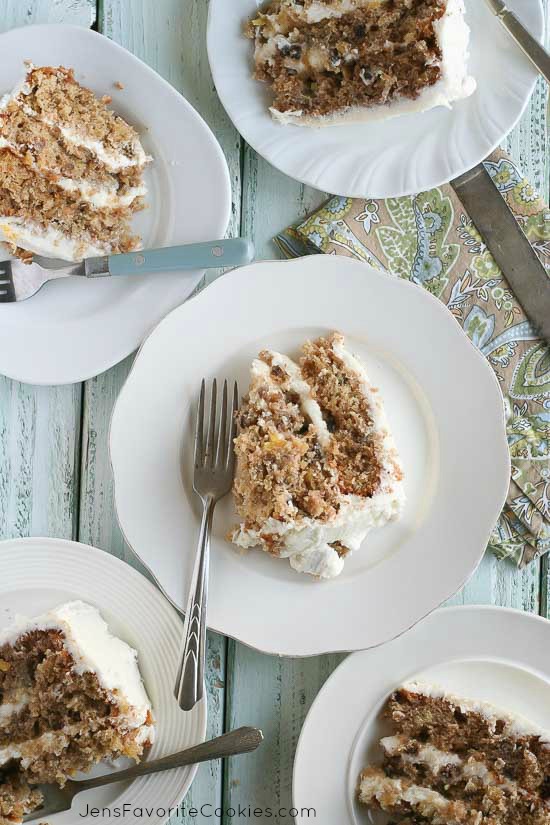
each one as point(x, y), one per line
point(19, 280)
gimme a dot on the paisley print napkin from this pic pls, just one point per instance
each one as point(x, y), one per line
point(430, 239)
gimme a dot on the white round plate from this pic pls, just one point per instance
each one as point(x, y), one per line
point(38, 574)
point(445, 408)
point(494, 654)
point(393, 157)
point(77, 328)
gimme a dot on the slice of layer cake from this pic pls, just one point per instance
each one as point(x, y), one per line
point(457, 761)
point(317, 467)
point(71, 695)
point(71, 170)
point(342, 61)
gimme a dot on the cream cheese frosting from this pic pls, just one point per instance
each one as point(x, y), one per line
point(93, 647)
point(50, 242)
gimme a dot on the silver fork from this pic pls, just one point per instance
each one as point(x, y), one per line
point(243, 740)
point(19, 280)
point(212, 479)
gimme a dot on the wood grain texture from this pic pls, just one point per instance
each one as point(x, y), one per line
point(15, 13)
point(39, 445)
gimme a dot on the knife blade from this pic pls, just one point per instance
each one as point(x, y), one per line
point(536, 53)
point(508, 244)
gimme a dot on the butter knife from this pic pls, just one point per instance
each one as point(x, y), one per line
point(536, 53)
point(508, 244)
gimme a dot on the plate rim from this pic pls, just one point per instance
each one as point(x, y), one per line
point(327, 685)
point(73, 375)
point(272, 648)
point(317, 184)
point(78, 547)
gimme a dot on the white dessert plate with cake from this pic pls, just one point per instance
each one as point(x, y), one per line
point(367, 98)
point(380, 427)
point(81, 630)
point(127, 140)
point(449, 723)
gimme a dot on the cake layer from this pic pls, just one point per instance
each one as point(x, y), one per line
point(354, 60)
point(455, 724)
point(83, 634)
point(38, 215)
point(16, 799)
point(317, 467)
point(73, 168)
point(53, 96)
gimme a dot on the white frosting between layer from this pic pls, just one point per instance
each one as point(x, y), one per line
point(375, 787)
point(99, 197)
point(453, 34)
point(428, 755)
point(10, 709)
point(48, 242)
point(95, 649)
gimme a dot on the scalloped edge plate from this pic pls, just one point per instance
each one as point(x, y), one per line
point(37, 574)
point(395, 157)
point(445, 408)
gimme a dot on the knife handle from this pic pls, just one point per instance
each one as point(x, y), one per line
point(536, 53)
point(227, 252)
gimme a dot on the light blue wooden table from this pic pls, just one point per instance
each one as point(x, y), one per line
point(55, 478)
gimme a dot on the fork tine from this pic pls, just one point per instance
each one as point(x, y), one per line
point(233, 427)
point(210, 455)
point(222, 433)
point(7, 288)
point(199, 428)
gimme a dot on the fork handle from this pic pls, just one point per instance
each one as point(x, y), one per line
point(189, 688)
point(227, 252)
point(242, 740)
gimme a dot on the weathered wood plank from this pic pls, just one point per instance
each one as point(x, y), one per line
point(169, 36)
point(24, 12)
point(39, 444)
